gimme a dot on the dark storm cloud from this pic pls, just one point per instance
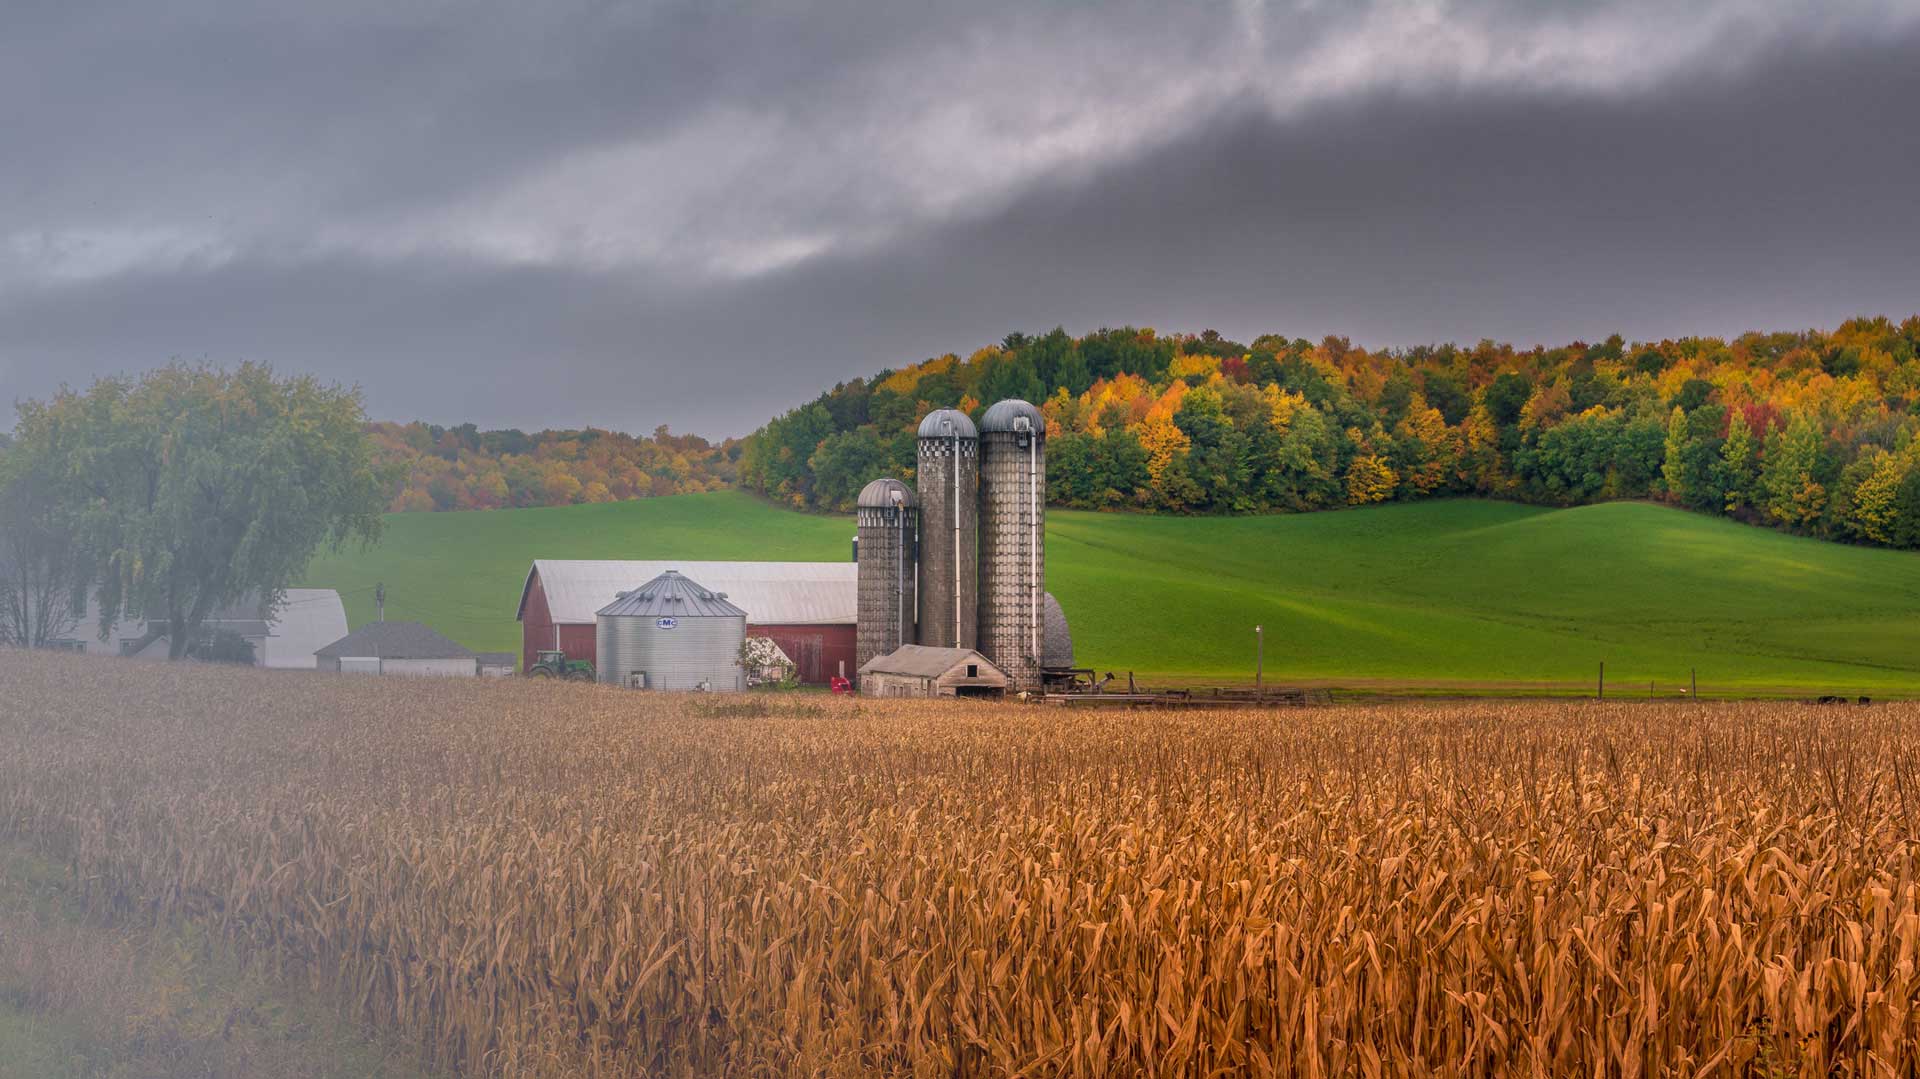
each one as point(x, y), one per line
point(556, 214)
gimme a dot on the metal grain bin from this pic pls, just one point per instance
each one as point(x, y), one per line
point(949, 483)
point(888, 518)
point(1013, 530)
point(677, 634)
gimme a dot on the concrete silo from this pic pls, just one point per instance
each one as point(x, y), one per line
point(888, 518)
point(949, 483)
point(671, 634)
point(1013, 529)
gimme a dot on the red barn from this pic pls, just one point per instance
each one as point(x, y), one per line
point(808, 608)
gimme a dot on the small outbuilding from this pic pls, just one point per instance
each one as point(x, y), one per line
point(497, 664)
point(918, 670)
point(399, 648)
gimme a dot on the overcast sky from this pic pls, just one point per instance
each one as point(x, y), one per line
point(584, 211)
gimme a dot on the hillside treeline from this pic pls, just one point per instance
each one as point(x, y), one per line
point(1812, 431)
point(465, 468)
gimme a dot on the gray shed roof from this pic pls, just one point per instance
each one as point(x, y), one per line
point(926, 661)
point(499, 659)
point(934, 425)
point(670, 594)
point(395, 640)
point(1002, 415)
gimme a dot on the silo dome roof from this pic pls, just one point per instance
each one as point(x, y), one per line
point(931, 427)
point(1056, 638)
point(670, 594)
point(879, 494)
point(1000, 418)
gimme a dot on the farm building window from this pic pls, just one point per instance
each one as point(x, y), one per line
point(973, 670)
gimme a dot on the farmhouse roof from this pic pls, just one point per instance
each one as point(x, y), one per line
point(926, 661)
point(395, 640)
point(671, 594)
point(771, 593)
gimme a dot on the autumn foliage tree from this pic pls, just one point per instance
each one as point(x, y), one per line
point(189, 488)
point(464, 468)
point(1812, 431)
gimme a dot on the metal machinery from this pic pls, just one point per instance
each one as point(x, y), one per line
point(949, 482)
point(557, 665)
point(1013, 498)
point(888, 518)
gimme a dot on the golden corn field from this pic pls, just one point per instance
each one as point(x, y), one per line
point(553, 879)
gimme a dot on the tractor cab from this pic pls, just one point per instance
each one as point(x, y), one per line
point(555, 664)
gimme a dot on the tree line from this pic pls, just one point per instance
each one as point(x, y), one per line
point(1813, 431)
point(465, 468)
point(172, 495)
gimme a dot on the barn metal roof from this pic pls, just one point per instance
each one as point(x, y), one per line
point(671, 594)
point(771, 593)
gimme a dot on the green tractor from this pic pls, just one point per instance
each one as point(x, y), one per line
point(557, 665)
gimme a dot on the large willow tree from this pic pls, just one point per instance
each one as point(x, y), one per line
point(194, 487)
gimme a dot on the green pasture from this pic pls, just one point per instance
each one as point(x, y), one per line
point(1462, 594)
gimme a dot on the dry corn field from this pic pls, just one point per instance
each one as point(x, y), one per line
point(534, 879)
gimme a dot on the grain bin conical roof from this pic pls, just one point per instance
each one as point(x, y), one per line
point(670, 595)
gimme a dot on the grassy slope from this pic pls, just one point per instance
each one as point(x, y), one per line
point(1432, 593)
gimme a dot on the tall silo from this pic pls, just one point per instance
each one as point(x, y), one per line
point(949, 483)
point(888, 519)
point(671, 634)
point(1013, 529)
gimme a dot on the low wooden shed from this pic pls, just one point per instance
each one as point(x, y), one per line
point(918, 670)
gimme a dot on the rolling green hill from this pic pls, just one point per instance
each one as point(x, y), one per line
point(1461, 593)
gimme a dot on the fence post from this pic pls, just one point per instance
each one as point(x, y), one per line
point(1601, 686)
point(1693, 680)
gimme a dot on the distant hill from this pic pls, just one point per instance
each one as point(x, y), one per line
point(1814, 431)
point(465, 468)
point(1458, 593)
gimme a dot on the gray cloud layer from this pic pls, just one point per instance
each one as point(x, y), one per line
point(585, 212)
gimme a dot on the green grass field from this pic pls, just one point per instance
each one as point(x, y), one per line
point(1453, 594)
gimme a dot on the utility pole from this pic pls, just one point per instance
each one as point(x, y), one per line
point(1259, 655)
point(380, 602)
